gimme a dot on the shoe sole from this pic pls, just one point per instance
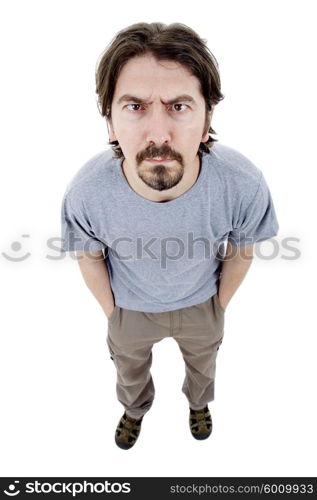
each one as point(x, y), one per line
point(123, 446)
point(200, 437)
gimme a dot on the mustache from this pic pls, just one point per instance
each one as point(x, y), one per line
point(165, 152)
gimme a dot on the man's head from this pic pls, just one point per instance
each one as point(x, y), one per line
point(157, 86)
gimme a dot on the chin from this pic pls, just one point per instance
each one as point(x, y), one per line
point(161, 183)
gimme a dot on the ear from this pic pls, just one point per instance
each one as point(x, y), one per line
point(205, 136)
point(112, 135)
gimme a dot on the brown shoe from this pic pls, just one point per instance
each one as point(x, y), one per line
point(200, 423)
point(127, 431)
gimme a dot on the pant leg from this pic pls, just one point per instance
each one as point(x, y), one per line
point(131, 335)
point(199, 339)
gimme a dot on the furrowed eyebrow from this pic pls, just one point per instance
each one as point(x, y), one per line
point(180, 98)
point(128, 98)
point(138, 100)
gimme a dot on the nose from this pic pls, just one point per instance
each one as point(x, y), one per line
point(158, 126)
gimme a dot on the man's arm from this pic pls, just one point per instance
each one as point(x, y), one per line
point(234, 268)
point(95, 273)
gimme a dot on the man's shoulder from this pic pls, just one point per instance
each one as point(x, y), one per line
point(93, 173)
point(233, 166)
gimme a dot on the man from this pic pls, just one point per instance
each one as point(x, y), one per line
point(163, 203)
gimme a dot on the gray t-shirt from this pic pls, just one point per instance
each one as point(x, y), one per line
point(163, 256)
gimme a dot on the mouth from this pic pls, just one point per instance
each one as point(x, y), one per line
point(159, 160)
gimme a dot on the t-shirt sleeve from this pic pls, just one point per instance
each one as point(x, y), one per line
point(258, 221)
point(76, 231)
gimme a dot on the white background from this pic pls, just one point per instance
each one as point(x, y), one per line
point(59, 407)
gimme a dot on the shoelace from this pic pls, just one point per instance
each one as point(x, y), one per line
point(128, 426)
point(201, 420)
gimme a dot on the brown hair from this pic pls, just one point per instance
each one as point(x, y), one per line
point(176, 42)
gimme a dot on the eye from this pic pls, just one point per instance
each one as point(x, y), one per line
point(179, 106)
point(134, 107)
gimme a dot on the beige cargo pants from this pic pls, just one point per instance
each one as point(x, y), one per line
point(197, 329)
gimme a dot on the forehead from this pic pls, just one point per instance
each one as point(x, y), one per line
point(145, 75)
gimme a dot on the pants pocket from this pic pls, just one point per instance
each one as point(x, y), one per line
point(217, 301)
point(112, 354)
point(113, 314)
